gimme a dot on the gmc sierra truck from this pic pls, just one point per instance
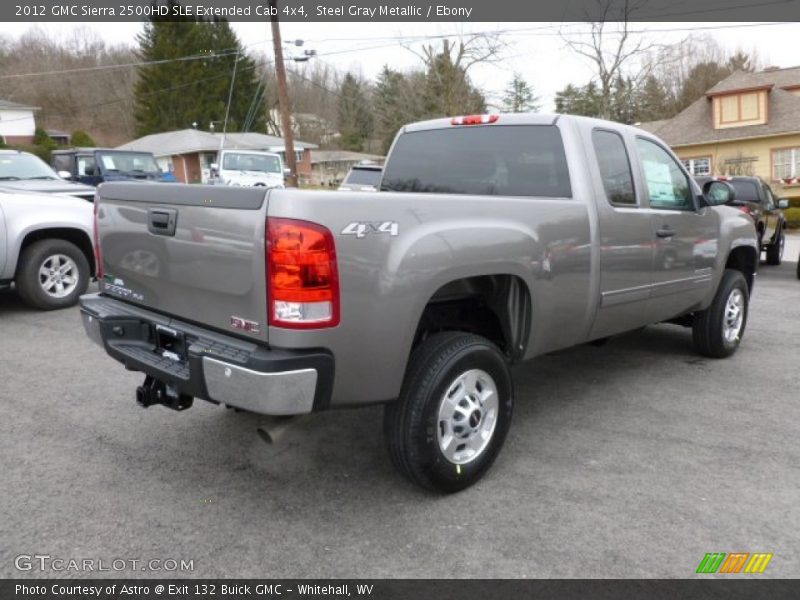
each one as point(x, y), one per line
point(493, 239)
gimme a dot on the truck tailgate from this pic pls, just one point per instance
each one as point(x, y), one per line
point(188, 251)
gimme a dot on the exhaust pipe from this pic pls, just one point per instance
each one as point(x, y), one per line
point(274, 429)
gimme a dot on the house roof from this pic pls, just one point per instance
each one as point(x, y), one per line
point(694, 125)
point(8, 105)
point(325, 156)
point(742, 80)
point(188, 141)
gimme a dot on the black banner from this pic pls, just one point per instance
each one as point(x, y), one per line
point(405, 589)
point(404, 10)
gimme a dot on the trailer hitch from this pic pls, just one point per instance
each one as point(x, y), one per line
point(153, 391)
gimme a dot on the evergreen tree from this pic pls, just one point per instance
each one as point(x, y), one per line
point(519, 97)
point(652, 102)
point(354, 115)
point(176, 94)
point(447, 89)
point(387, 105)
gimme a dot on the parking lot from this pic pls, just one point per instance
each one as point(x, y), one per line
point(631, 459)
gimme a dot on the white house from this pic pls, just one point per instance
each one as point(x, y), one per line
point(17, 122)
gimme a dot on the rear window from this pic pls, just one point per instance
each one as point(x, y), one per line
point(520, 160)
point(364, 176)
point(746, 191)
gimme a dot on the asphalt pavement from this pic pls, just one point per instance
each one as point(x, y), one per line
point(631, 459)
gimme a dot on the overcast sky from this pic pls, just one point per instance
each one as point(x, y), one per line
point(535, 50)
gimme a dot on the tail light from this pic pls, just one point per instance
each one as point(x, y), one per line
point(745, 209)
point(302, 277)
point(474, 120)
point(98, 254)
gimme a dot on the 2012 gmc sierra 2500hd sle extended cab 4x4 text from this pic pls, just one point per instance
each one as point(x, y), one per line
point(492, 240)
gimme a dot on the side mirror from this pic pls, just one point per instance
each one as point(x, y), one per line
point(717, 193)
point(783, 203)
point(287, 172)
point(215, 166)
point(65, 174)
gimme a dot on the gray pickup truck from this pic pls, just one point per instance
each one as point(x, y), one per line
point(493, 239)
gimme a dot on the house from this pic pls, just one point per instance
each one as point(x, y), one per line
point(17, 122)
point(747, 124)
point(329, 167)
point(189, 153)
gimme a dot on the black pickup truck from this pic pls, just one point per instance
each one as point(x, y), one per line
point(756, 198)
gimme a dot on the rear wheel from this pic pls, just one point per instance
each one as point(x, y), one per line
point(718, 330)
point(450, 422)
point(775, 249)
point(52, 274)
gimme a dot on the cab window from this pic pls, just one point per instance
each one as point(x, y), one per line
point(667, 185)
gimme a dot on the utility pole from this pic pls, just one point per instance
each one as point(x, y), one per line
point(283, 95)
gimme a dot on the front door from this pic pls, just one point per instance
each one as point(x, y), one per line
point(685, 238)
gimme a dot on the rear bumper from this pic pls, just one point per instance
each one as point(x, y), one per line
point(214, 366)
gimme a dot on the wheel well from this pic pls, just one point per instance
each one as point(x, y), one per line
point(75, 236)
point(743, 259)
point(497, 307)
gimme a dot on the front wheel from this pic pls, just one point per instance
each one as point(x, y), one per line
point(52, 274)
point(454, 410)
point(775, 250)
point(717, 331)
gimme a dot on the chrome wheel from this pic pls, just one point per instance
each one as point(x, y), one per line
point(734, 316)
point(58, 275)
point(781, 247)
point(467, 416)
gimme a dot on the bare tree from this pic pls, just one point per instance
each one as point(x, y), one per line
point(612, 47)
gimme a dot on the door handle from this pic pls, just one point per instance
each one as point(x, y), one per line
point(162, 221)
point(665, 232)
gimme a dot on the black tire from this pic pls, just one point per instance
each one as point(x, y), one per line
point(775, 249)
point(29, 284)
point(708, 330)
point(798, 267)
point(412, 424)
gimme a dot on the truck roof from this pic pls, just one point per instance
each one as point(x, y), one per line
point(527, 119)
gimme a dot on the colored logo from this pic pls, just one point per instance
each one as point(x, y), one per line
point(735, 562)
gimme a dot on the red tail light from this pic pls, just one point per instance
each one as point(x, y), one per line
point(474, 120)
point(745, 209)
point(302, 277)
point(98, 254)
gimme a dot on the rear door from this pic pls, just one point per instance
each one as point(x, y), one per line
point(191, 252)
point(625, 234)
point(685, 239)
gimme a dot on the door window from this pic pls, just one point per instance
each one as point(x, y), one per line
point(615, 168)
point(86, 166)
point(667, 185)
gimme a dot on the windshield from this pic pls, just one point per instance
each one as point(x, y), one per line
point(24, 166)
point(520, 160)
point(363, 176)
point(263, 163)
point(128, 162)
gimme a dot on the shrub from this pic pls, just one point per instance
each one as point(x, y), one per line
point(80, 138)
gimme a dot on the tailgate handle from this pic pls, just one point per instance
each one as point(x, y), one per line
point(162, 221)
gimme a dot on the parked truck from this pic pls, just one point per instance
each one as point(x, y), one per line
point(493, 240)
point(45, 247)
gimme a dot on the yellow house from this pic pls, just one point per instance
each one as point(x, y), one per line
point(748, 124)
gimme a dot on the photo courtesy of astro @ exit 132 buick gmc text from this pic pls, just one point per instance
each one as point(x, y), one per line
point(394, 300)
